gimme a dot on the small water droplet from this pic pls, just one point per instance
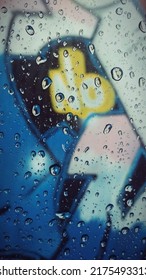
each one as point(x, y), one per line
point(63, 215)
point(97, 82)
point(66, 252)
point(66, 130)
point(124, 230)
point(29, 29)
point(54, 169)
point(80, 224)
point(86, 149)
point(91, 48)
point(46, 82)
point(28, 221)
point(40, 59)
point(84, 85)
point(107, 128)
point(117, 73)
point(142, 82)
point(71, 99)
point(27, 174)
point(52, 222)
point(17, 145)
point(142, 26)
point(33, 153)
point(41, 153)
point(59, 97)
point(129, 202)
point(128, 188)
point(41, 15)
point(36, 110)
point(84, 238)
point(65, 53)
point(119, 11)
point(4, 10)
point(18, 209)
point(60, 12)
point(109, 207)
point(69, 116)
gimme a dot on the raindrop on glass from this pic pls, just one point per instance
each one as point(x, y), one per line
point(46, 82)
point(119, 11)
point(28, 221)
point(117, 73)
point(124, 230)
point(97, 82)
point(91, 48)
point(27, 174)
point(36, 110)
point(29, 29)
point(65, 53)
point(4, 10)
point(54, 169)
point(40, 60)
point(142, 26)
point(59, 97)
point(71, 99)
point(84, 86)
point(107, 128)
point(142, 82)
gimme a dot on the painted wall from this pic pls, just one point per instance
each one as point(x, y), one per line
point(72, 129)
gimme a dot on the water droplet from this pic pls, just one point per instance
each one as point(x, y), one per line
point(66, 130)
point(97, 194)
point(144, 240)
point(129, 202)
point(86, 149)
point(18, 37)
point(41, 153)
point(52, 222)
point(142, 26)
point(28, 221)
point(29, 29)
point(84, 86)
point(91, 48)
point(63, 215)
point(103, 244)
point(71, 99)
point(66, 252)
point(17, 145)
point(128, 188)
point(36, 110)
point(18, 209)
point(60, 12)
point(27, 174)
point(41, 15)
point(80, 224)
point(1, 135)
point(46, 82)
point(4, 10)
point(59, 97)
point(17, 136)
point(81, 32)
point(124, 230)
point(123, 1)
point(65, 53)
point(54, 169)
point(142, 82)
point(33, 153)
point(119, 11)
point(97, 82)
point(40, 59)
point(69, 117)
point(117, 73)
point(85, 238)
point(107, 128)
point(109, 207)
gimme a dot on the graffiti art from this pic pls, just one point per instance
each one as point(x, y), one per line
point(72, 130)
